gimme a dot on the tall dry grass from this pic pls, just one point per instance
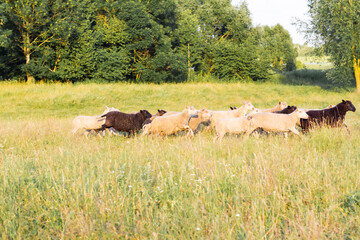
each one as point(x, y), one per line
point(56, 185)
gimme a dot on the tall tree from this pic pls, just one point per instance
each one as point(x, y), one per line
point(336, 25)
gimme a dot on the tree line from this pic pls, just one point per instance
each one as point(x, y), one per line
point(137, 41)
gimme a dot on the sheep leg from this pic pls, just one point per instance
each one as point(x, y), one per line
point(86, 133)
point(191, 132)
point(113, 131)
point(286, 135)
point(74, 130)
point(256, 133)
point(249, 131)
point(209, 128)
point(346, 127)
point(104, 128)
point(131, 133)
point(110, 131)
point(219, 136)
point(294, 130)
point(99, 133)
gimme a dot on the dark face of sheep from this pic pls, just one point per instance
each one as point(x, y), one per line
point(160, 112)
point(349, 106)
point(145, 114)
point(292, 108)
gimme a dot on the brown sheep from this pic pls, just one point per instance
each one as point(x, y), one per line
point(124, 122)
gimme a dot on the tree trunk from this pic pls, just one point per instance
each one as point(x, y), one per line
point(27, 53)
point(189, 65)
point(357, 73)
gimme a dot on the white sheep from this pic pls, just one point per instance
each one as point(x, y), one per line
point(253, 111)
point(280, 106)
point(90, 123)
point(306, 109)
point(167, 125)
point(168, 113)
point(238, 112)
point(231, 125)
point(273, 122)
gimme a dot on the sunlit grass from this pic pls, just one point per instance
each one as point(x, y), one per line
point(56, 185)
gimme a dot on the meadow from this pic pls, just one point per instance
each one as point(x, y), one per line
point(54, 185)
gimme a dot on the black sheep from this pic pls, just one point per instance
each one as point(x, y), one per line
point(125, 122)
point(287, 110)
point(333, 117)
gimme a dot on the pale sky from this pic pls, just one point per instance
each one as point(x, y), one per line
point(272, 12)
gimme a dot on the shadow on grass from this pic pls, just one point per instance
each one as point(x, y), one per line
point(307, 77)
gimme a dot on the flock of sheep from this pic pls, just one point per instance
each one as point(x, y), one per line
point(245, 119)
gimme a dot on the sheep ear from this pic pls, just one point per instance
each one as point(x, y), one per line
point(343, 101)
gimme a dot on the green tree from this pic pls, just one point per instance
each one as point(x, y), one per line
point(245, 61)
point(279, 45)
point(96, 48)
point(32, 26)
point(336, 26)
point(187, 39)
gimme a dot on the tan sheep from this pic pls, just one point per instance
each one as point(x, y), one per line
point(167, 125)
point(203, 116)
point(280, 106)
point(273, 122)
point(90, 123)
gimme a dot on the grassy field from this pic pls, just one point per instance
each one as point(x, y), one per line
point(56, 185)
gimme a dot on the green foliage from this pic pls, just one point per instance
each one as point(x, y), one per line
point(242, 61)
point(312, 77)
point(335, 25)
point(135, 41)
point(280, 48)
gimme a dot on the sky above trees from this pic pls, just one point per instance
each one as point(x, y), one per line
point(283, 12)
